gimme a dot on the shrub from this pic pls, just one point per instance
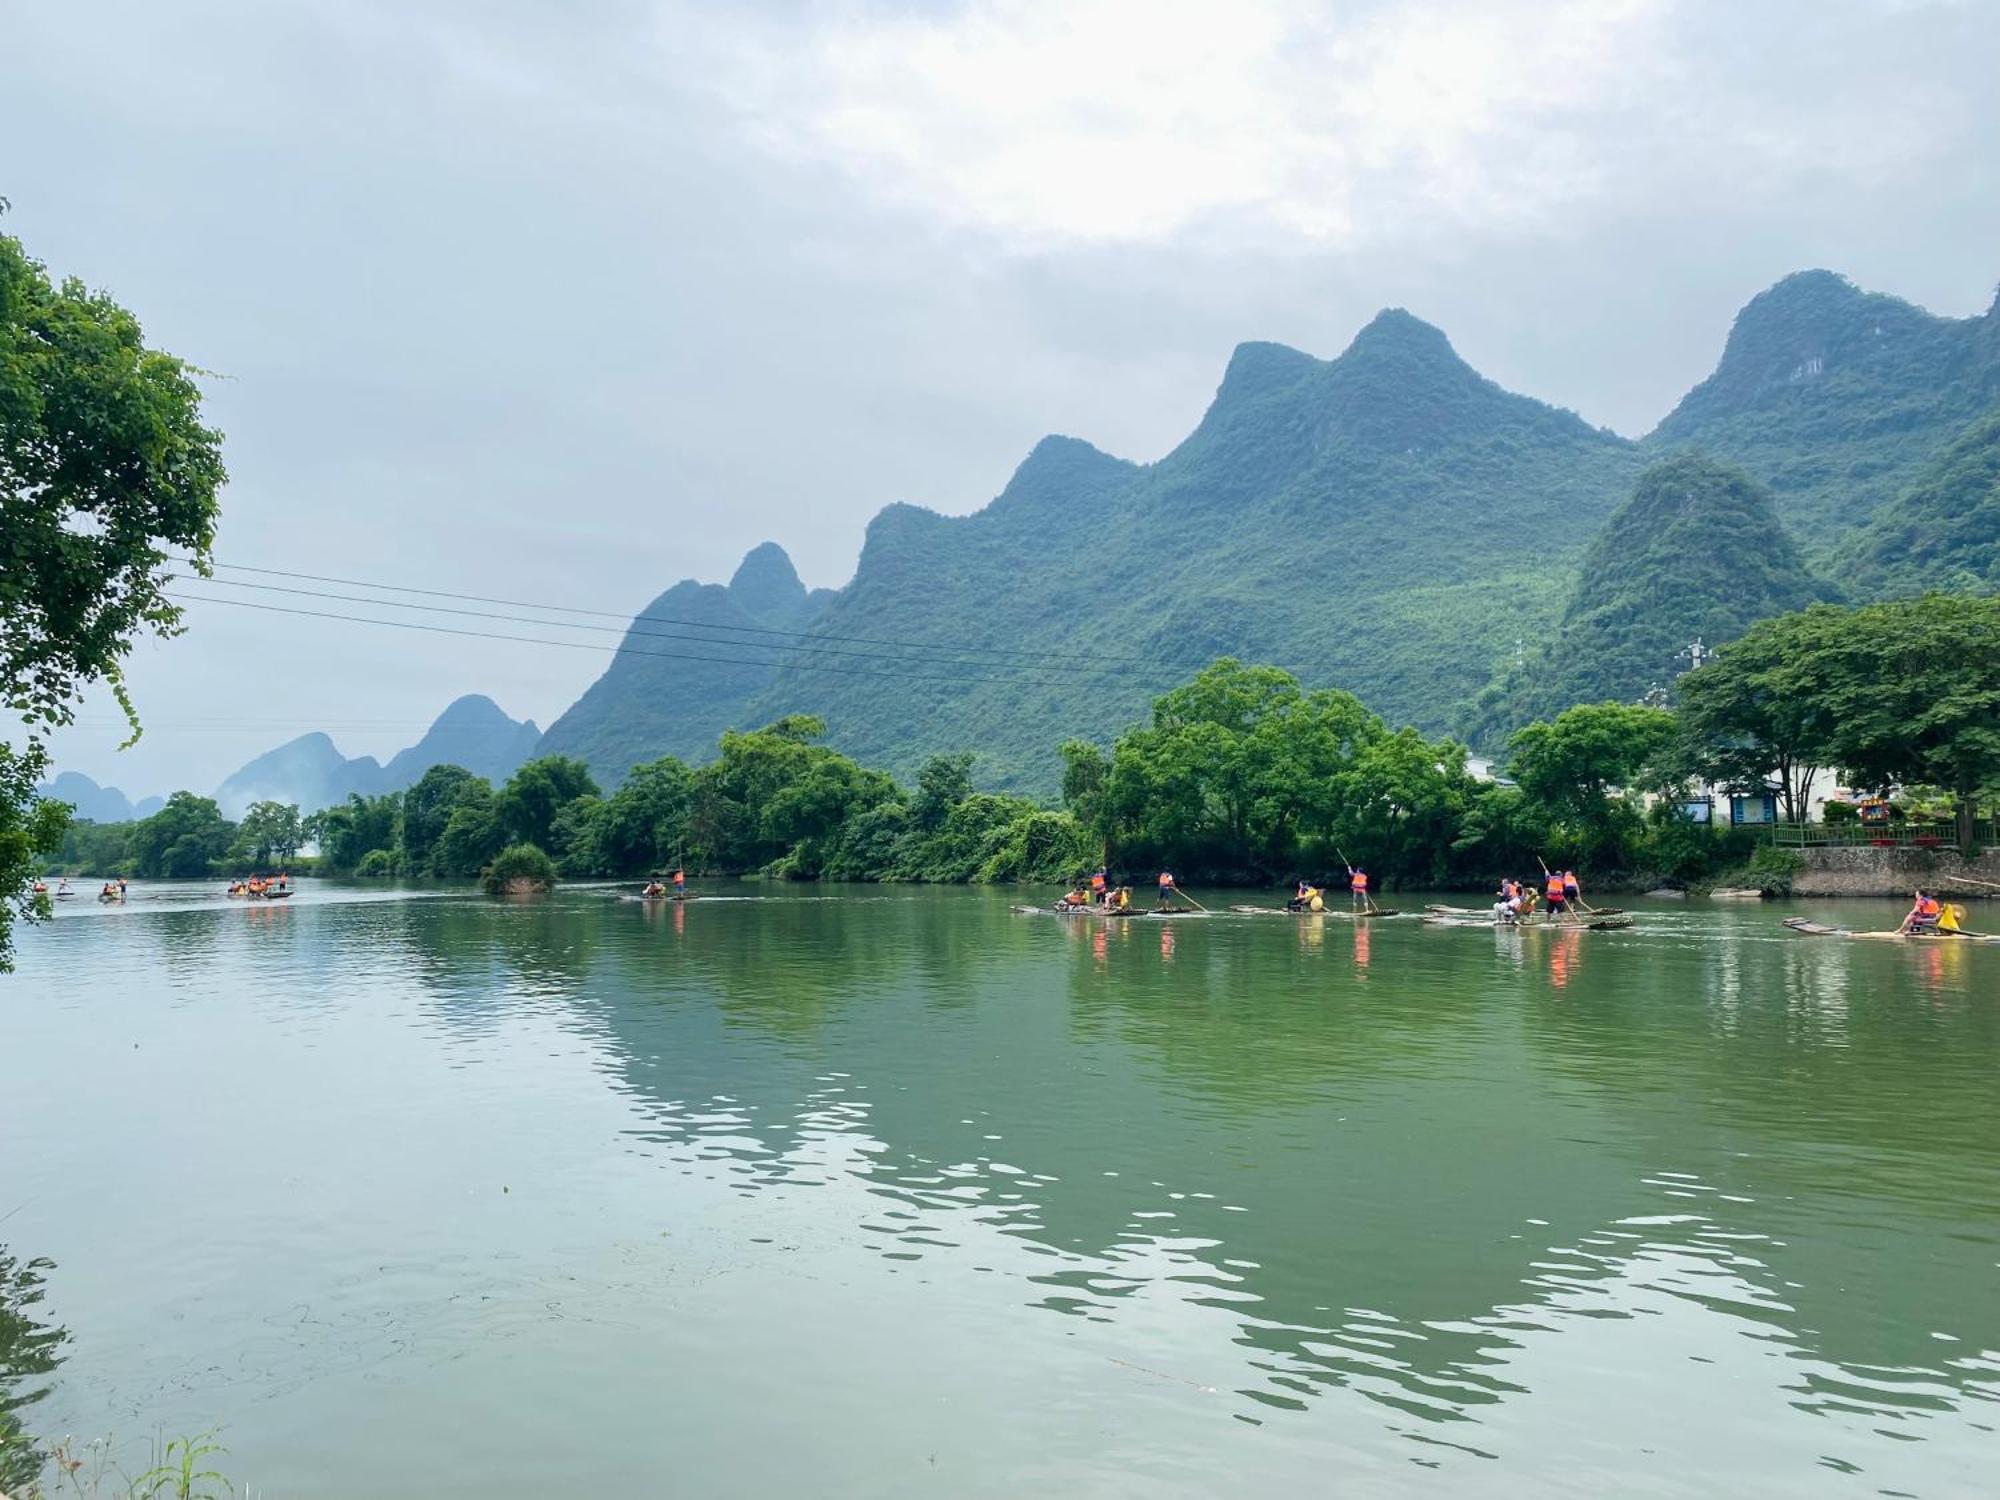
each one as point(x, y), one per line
point(377, 863)
point(1772, 870)
point(519, 868)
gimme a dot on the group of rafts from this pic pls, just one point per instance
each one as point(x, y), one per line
point(1559, 903)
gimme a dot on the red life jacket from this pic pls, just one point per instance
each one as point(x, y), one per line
point(1358, 882)
point(1928, 907)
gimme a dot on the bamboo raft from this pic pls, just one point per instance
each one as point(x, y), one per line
point(1130, 913)
point(1807, 928)
point(1289, 911)
point(1487, 911)
point(1538, 923)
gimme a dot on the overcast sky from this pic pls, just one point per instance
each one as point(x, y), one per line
point(565, 302)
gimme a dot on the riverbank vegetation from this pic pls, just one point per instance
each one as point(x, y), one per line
point(106, 472)
point(1238, 776)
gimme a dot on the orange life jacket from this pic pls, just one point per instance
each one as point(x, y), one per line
point(1097, 881)
point(1165, 878)
point(1553, 891)
point(1358, 882)
point(1928, 907)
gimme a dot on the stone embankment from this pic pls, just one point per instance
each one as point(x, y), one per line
point(1896, 872)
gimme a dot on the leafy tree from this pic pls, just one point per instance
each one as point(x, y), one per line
point(105, 468)
point(643, 826)
point(182, 841)
point(91, 848)
point(943, 783)
point(528, 804)
point(270, 833)
point(428, 806)
point(576, 837)
point(1404, 802)
point(519, 865)
point(348, 832)
point(30, 831)
point(1911, 691)
point(1757, 711)
point(1571, 762)
point(1085, 770)
point(471, 835)
point(1237, 770)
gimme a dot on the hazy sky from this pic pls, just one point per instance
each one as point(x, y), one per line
point(565, 302)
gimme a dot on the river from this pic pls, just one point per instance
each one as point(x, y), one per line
point(860, 1191)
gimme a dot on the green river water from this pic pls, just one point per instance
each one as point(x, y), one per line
point(877, 1191)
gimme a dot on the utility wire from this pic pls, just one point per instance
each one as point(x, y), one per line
point(565, 609)
point(1024, 674)
point(668, 635)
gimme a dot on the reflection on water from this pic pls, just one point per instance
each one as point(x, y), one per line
point(1690, 1200)
point(30, 1349)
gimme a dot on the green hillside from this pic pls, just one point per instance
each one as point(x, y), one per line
point(1943, 532)
point(1836, 397)
point(1362, 520)
point(1698, 551)
point(670, 691)
point(1388, 522)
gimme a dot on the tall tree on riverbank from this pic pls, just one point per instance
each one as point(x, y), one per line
point(104, 467)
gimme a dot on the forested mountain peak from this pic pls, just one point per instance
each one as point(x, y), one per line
point(766, 585)
point(1835, 397)
point(1943, 532)
point(1808, 325)
point(1059, 471)
point(1258, 369)
point(473, 732)
point(1697, 550)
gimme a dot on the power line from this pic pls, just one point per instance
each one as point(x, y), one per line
point(566, 609)
point(668, 635)
point(526, 640)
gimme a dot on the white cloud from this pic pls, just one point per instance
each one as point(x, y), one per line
point(1134, 120)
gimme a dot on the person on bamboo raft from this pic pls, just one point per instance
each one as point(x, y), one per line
point(1309, 898)
point(1508, 907)
point(1555, 895)
point(1572, 892)
point(1100, 886)
point(1075, 896)
point(1927, 914)
point(653, 891)
point(1166, 890)
point(680, 882)
point(1357, 886)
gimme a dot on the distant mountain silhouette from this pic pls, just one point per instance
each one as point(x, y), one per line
point(472, 732)
point(94, 803)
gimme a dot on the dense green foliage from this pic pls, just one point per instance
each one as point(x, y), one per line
point(1901, 692)
point(1836, 397)
point(105, 467)
point(182, 841)
point(1943, 532)
point(1697, 551)
point(519, 866)
point(1238, 775)
point(31, 830)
